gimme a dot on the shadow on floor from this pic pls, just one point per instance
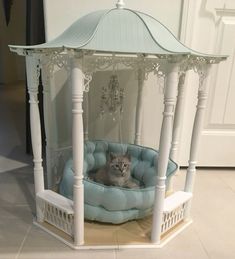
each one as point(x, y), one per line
point(17, 190)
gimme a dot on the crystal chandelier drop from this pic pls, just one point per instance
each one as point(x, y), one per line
point(112, 97)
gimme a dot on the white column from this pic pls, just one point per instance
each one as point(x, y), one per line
point(35, 125)
point(164, 149)
point(197, 127)
point(177, 126)
point(139, 107)
point(77, 144)
point(86, 116)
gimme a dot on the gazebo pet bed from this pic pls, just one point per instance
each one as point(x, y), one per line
point(113, 204)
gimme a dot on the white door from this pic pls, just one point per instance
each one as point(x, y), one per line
point(209, 26)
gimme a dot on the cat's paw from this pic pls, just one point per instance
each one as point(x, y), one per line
point(132, 185)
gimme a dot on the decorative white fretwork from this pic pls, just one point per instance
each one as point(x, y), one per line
point(91, 62)
point(96, 63)
point(55, 59)
point(87, 80)
point(201, 71)
point(198, 65)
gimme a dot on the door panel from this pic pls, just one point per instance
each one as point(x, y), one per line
point(214, 32)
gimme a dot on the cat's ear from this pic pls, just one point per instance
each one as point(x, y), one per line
point(128, 155)
point(112, 156)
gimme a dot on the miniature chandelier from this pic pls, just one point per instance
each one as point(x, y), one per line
point(112, 97)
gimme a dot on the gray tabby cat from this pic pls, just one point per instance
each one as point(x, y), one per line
point(116, 172)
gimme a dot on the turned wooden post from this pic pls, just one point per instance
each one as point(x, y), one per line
point(139, 107)
point(35, 125)
point(164, 149)
point(197, 127)
point(77, 144)
point(177, 126)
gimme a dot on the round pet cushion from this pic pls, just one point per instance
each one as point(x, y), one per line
point(110, 203)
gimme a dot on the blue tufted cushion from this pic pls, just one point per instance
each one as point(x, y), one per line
point(116, 204)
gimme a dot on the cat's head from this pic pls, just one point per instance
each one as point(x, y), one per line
point(120, 164)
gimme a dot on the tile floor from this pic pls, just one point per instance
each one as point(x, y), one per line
point(211, 236)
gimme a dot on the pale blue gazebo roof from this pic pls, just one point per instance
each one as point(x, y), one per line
point(118, 30)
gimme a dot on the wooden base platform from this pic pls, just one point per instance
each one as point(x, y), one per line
point(133, 234)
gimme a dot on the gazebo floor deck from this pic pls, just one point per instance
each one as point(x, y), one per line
point(130, 234)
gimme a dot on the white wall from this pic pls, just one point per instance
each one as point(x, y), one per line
point(59, 16)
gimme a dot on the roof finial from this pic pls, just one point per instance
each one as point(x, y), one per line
point(120, 4)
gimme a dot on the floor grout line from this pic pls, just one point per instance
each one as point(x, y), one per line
point(23, 241)
point(225, 183)
point(202, 244)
